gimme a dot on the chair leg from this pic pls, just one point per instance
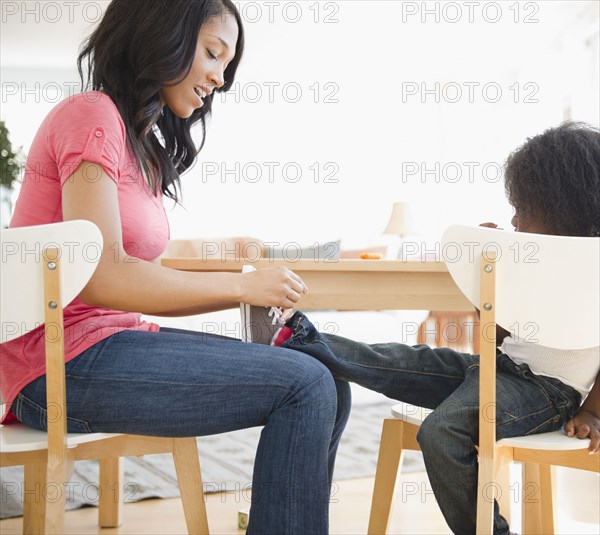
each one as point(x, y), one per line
point(388, 462)
point(187, 466)
point(530, 504)
point(548, 497)
point(486, 493)
point(34, 504)
point(110, 507)
point(55, 494)
point(503, 480)
point(538, 498)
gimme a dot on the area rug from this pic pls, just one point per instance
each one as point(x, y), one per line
point(226, 462)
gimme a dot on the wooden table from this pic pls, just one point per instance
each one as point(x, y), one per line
point(357, 284)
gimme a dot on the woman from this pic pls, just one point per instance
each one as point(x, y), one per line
point(109, 156)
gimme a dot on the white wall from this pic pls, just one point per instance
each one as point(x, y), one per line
point(381, 139)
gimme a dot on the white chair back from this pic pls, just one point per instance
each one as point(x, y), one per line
point(22, 281)
point(559, 275)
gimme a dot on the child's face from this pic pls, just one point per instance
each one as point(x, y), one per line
point(531, 223)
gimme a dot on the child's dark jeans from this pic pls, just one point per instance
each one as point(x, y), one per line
point(448, 382)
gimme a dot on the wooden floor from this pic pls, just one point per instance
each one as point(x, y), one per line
point(349, 512)
point(415, 512)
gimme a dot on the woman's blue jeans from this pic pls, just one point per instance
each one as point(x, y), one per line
point(181, 383)
point(448, 382)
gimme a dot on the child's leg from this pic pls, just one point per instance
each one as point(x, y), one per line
point(525, 404)
point(448, 382)
point(420, 375)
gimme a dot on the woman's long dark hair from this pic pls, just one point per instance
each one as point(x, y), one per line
point(555, 177)
point(138, 47)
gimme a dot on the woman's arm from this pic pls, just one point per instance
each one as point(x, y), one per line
point(586, 423)
point(125, 283)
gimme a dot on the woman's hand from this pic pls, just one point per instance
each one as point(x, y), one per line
point(585, 424)
point(122, 282)
point(490, 225)
point(276, 287)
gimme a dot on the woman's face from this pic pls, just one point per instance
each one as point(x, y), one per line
point(215, 49)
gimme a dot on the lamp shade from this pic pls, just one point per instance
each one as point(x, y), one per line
point(398, 222)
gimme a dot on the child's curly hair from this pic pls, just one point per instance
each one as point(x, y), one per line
point(555, 177)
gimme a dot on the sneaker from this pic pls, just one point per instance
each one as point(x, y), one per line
point(260, 325)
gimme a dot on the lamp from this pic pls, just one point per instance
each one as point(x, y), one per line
point(398, 228)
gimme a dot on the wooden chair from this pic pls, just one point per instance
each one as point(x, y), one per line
point(548, 288)
point(44, 268)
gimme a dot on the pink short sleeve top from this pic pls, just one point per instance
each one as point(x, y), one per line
point(84, 127)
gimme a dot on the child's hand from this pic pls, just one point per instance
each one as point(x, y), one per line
point(490, 225)
point(585, 425)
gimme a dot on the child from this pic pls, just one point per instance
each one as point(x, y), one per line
point(553, 182)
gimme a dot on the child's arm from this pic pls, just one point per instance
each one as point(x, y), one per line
point(586, 423)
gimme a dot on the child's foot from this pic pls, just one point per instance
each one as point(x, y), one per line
point(260, 325)
point(285, 333)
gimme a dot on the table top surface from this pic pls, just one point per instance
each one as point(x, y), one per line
point(355, 284)
point(342, 265)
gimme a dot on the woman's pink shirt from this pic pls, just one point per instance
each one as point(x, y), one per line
point(84, 127)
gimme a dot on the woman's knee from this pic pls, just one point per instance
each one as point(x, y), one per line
point(313, 385)
point(344, 400)
point(316, 377)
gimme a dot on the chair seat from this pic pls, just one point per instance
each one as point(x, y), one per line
point(553, 441)
point(18, 437)
point(411, 414)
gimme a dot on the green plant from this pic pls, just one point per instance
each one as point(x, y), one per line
point(10, 164)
